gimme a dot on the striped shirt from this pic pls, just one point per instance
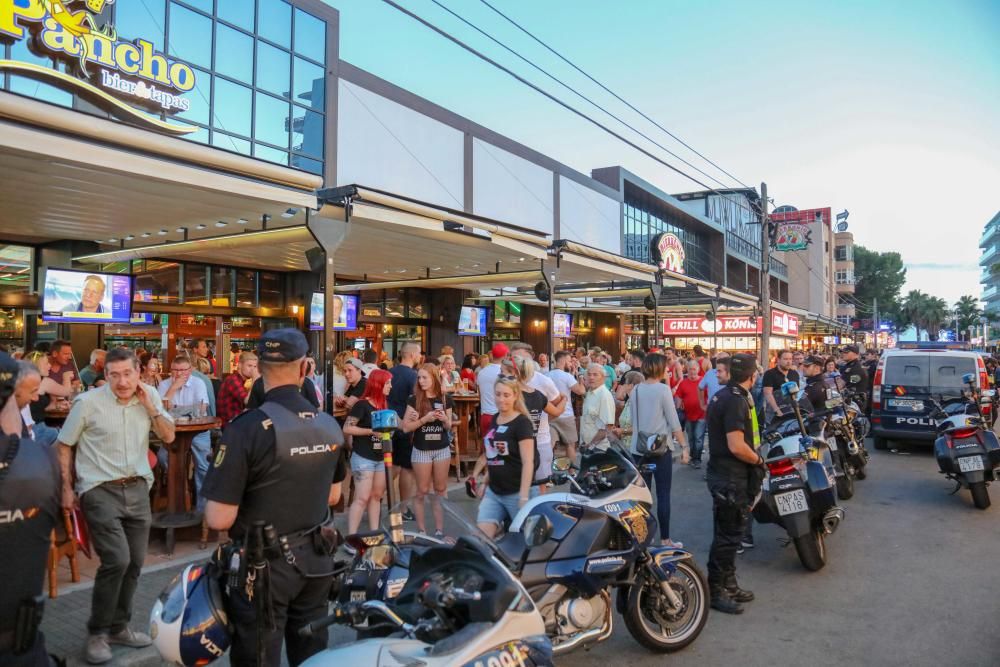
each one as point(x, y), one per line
point(111, 438)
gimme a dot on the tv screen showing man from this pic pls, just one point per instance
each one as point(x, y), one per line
point(75, 296)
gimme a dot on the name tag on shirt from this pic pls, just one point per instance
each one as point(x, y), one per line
point(502, 428)
point(432, 436)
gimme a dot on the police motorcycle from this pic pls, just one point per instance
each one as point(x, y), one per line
point(600, 538)
point(967, 452)
point(838, 430)
point(799, 489)
point(459, 606)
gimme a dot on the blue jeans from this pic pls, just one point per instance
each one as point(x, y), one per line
point(695, 433)
point(663, 477)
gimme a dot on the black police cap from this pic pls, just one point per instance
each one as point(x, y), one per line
point(742, 363)
point(814, 360)
point(282, 345)
point(850, 348)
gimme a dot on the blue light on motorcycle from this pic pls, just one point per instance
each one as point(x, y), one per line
point(789, 388)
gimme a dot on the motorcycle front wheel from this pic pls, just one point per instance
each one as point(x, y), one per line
point(653, 623)
point(861, 472)
point(980, 495)
point(812, 550)
point(845, 485)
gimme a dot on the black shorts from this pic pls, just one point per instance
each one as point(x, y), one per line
point(402, 449)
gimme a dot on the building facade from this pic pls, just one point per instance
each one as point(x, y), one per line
point(811, 274)
point(843, 273)
point(989, 242)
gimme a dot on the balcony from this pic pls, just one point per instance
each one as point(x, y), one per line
point(989, 256)
point(988, 233)
point(750, 250)
point(990, 292)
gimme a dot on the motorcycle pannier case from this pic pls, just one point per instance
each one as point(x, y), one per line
point(944, 455)
point(992, 445)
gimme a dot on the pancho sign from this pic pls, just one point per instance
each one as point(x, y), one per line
point(782, 324)
point(668, 251)
point(110, 69)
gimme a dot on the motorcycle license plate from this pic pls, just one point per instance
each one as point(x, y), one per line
point(970, 463)
point(792, 502)
point(907, 404)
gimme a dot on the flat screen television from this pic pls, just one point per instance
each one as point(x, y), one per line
point(472, 321)
point(345, 312)
point(141, 318)
point(562, 325)
point(86, 296)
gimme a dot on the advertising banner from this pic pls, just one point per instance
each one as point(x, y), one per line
point(782, 324)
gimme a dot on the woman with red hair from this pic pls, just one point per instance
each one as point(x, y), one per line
point(367, 467)
point(428, 417)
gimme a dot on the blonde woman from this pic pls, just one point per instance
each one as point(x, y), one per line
point(339, 376)
point(540, 409)
point(450, 378)
point(509, 457)
point(49, 391)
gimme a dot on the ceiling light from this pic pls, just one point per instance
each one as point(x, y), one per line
point(401, 271)
point(145, 235)
point(435, 268)
point(112, 240)
point(221, 223)
point(162, 232)
point(476, 265)
point(290, 213)
point(129, 237)
point(241, 221)
point(520, 259)
point(181, 230)
point(200, 226)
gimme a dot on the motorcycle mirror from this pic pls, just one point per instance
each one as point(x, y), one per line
point(969, 378)
point(537, 529)
point(561, 464)
point(790, 388)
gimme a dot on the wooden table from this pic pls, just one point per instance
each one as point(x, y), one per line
point(179, 514)
point(465, 405)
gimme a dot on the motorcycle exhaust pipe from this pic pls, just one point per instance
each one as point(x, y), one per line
point(591, 636)
point(832, 519)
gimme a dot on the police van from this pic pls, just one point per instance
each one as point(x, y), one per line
point(910, 374)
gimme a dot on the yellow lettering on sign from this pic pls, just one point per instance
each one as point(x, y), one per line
point(182, 77)
point(127, 57)
point(11, 13)
point(100, 49)
point(55, 38)
point(154, 67)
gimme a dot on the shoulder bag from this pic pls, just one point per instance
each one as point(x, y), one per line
point(648, 445)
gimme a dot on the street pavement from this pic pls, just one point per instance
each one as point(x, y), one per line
point(912, 579)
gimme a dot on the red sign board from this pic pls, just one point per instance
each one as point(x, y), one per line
point(782, 324)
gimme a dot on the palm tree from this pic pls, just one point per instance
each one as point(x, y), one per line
point(935, 315)
point(967, 314)
point(912, 310)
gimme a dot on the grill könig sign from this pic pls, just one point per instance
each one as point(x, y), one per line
point(782, 324)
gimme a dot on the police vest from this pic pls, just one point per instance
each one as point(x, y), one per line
point(293, 494)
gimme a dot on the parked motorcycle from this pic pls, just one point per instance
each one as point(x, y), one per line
point(839, 420)
point(967, 452)
point(798, 493)
point(459, 606)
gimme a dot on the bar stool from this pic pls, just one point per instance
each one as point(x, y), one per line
point(62, 546)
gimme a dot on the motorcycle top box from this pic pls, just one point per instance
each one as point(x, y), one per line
point(951, 450)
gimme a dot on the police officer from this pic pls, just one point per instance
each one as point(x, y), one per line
point(815, 389)
point(280, 464)
point(735, 473)
point(29, 508)
point(855, 375)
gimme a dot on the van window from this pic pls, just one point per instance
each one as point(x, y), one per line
point(948, 371)
point(927, 370)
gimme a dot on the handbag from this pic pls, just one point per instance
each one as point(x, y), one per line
point(648, 445)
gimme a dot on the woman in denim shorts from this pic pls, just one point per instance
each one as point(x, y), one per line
point(428, 417)
point(367, 467)
point(510, 458)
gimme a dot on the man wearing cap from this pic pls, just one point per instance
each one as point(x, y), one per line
point(735, 473)
point(854, 373)
point(282, 464)
point(354, 373)
point(815, 389)
point(486, 381)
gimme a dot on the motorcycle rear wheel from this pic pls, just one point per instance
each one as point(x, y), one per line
point(861, 473)
point(845, 486)
point(645, 615)
point(812, 550)
point(980, 495)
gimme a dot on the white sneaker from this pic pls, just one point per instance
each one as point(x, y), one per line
point(97, 651)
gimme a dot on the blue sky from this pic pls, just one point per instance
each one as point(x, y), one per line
point(890, 109)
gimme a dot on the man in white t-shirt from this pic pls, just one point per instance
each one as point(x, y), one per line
point(541, 382)
point(598, 415)
point(563, 428)
point(486, 381)
point(184, 394)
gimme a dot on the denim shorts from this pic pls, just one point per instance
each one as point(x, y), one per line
point(430, 455)
point(495, 508)
point(361, 464)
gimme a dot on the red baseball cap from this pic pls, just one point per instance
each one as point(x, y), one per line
point(499, 350)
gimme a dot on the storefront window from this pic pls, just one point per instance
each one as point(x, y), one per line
point(310, 84)
point(273, 69)
point(195, 285)
point(275, 21)
point(307, 132)
point(270, 290)
point(15, 269)
point(222, 286)
point(395, 299)
point(271, 123)
point(116, 267)
point(141, 19)
point(233, 108)
point(190, 36)
point(238, 12)
point(310, 36)
point(233, 53)
point(371, 303)
point(159, 282)
point(246, 288)
point(199, 97)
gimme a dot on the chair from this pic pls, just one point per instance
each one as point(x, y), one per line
point(62, 545)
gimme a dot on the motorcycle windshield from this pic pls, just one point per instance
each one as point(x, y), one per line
point(443, 522)
point(786, 405)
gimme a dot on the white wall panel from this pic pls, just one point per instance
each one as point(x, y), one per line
point(588, 217)
point(510, 189)
point(387, 146)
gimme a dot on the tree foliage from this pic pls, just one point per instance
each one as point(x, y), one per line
point(967, 314)
point(881, 275)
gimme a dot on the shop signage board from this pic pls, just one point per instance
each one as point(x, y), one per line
point(115, 72)
point(782, 324)
point(790, 236)
point(668, 251)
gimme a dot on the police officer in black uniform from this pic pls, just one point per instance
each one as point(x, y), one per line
point(735, 473)
point(281, 465)
point(815, 389)
point(855, 375)
point(29, 509)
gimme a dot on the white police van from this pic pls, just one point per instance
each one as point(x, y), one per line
point(910, 374)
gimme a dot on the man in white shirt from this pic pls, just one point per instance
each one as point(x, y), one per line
point(598, 415)
point(563, 428)
point(486, 381)
point(183, 395)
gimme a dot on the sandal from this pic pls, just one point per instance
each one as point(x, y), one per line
point(672, 544)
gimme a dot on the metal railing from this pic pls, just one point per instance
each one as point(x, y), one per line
point(751, 250)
